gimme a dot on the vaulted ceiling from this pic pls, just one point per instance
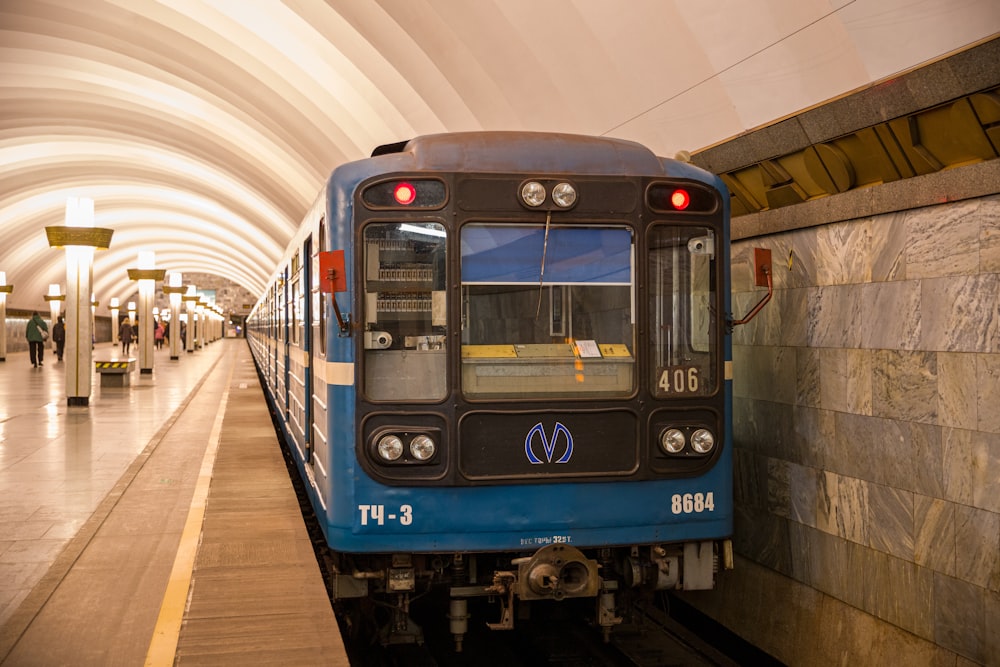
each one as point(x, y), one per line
point(203, 129)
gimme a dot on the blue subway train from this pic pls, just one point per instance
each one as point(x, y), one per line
point(502, 365)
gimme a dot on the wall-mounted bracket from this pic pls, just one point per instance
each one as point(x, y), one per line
point(762, 272)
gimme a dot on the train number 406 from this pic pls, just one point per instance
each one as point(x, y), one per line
point(680, 380)
point(692, 503)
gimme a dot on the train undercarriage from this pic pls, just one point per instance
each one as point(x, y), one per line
point(554, 572)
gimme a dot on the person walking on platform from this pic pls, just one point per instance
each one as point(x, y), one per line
point(37, 332)
point(125, 333)
point(59, 336)
point(158, 336)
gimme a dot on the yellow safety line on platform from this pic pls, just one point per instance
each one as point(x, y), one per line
point(163, 646)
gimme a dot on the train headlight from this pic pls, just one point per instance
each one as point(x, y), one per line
point(533, 193)
point(564, 195)
point(672, 440)
point(422, 447)
point(702, 441)
point(390, 447)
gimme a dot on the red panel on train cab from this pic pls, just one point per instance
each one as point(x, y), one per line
point(331, 272)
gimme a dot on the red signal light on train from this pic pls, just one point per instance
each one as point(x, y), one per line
point(680, 199)
point(684, 198)
point(404, 193)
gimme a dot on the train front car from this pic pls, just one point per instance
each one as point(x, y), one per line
point(540, 396)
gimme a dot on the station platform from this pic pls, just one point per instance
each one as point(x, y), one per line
point(155, 526)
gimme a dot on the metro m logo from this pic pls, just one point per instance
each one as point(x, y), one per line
point(537, 432)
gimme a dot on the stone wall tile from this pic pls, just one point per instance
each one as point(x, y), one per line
point(838, 259)
point(892, 315)
point(934, 534)
point(793, 316)
point(926, 452)
point(842, 507)
point(749, 479)
point(977, 547)
point(960, 617)
point(888, 247)
point(986, 471)
point(989, 235)
point(855, 455)
point(807, 377)
point(963, 313)
point(814, 437)
point(988, 386)
point(958, 390)
point(890, 521)
point(992, 623)
point(846, 380)
point(905, 386)
point(942, 241)
point(803, 483)
point(900, 592)
point(959, 454)
point(779, 487)
point(835, 317)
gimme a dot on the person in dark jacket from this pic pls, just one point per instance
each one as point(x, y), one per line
point(36, 332)
point(59, 336)
point(125, 334)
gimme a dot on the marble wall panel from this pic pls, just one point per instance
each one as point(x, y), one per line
point(958, 388)
point(989, 235)
point(960, 617)
point(986, 471)
point(814, 436)
point(842, 256)
point(779, 487)
point(835, 316)
point(749, 479)
point(959, 456)
point(988, 387)
point(905, 385)
point(890, 521)
point(977, 547)
point(942, 241)
point(807, 377)
point(803, 486)
point(962, 313)
point(934, 534)
point(842, 506)
point(901, 593)
point(795, 258)
point(892, 315)
point(846, 380)
point(794, 316)
point(888, 247)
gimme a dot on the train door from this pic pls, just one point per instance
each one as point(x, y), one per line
point(316, 464)
point(286, 341)
point(307, 289)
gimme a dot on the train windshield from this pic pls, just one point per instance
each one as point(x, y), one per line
point(405, 312)
point(683, 311)
point(547, 311)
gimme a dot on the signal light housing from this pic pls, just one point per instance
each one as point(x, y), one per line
point(399, 193)
point(682, 198)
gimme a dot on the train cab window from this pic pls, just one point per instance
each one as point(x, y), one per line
point(683, 311)
point(405, 312)
point(547, 311)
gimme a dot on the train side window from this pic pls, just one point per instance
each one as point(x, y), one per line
point(405, 313)
point(683, 311)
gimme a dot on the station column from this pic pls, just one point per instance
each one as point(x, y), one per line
point(147, 277)
point(5, 289)
point(80, 238)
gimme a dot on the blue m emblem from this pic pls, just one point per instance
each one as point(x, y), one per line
point(537, 432)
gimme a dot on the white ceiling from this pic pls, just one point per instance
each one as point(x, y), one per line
point(203, 129)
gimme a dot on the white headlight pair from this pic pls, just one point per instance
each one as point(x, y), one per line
point(673, 441)
point(390, 447)
point(533, 194)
